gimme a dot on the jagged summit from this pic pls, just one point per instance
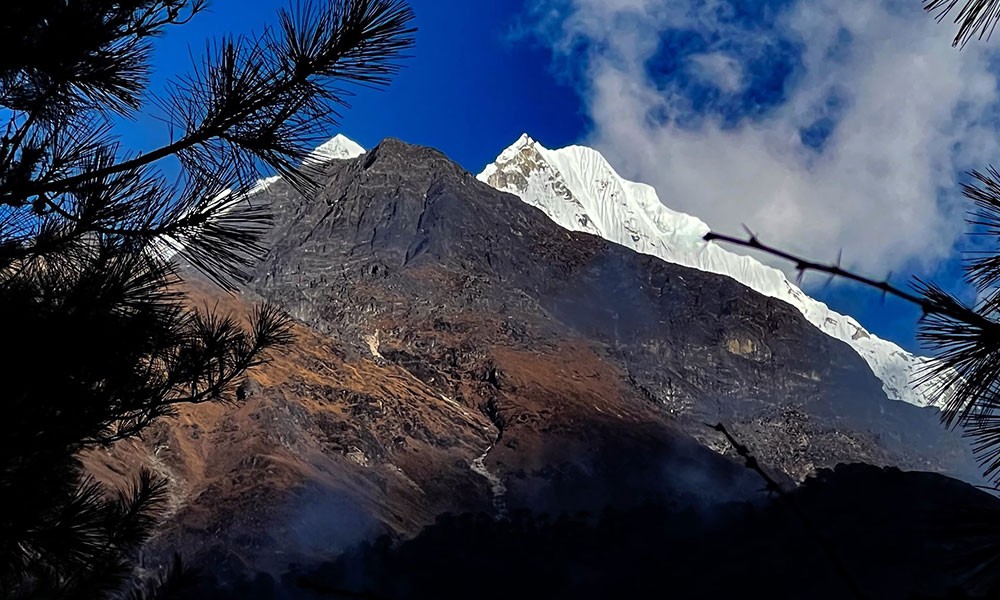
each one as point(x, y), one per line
point(578, 189)
point(615, 207)
point(393, 148)
point(522, 143)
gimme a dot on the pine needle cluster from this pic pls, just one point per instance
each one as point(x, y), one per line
point(98, 340)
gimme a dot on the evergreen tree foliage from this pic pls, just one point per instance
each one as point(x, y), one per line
point(975, 19)
point(98, 340)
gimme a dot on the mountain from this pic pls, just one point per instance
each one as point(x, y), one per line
point(578, 189)
point(459, 352)
point(703, 348)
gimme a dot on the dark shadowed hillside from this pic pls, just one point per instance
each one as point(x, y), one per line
point(873, 531)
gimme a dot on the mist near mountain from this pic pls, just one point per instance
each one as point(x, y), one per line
point(857, 531)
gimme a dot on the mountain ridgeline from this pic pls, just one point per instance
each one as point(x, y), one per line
point(405, 244)
point(578, 189)
point(459, 352)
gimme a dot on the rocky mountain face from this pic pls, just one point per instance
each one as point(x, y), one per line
point(457, 351)
point(405, 245)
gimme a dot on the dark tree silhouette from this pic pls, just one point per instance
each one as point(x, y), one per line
point(98, 341)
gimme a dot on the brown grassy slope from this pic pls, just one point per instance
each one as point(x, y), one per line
point(317, 427)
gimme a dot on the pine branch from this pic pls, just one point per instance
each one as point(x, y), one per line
point(928, 306)
point(205, 367)
point(976, 19)
point(255, 101)
point(85, 232)
point(356, 41)
point(103, 58)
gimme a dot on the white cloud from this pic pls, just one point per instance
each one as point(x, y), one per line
point(912, 114)
point(718, 68)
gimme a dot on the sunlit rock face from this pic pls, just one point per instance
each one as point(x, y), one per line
point(458, 351)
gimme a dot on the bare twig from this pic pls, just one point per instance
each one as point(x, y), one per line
point(802, 265)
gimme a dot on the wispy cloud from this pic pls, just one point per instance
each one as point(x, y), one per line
point(718, 68)
point(821, 124)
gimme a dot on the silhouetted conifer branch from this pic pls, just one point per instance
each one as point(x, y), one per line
point(976, 18)
point(255, 101)
point(803, 265)
point(99, 341)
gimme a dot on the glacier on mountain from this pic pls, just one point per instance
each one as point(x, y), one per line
point(578, 189)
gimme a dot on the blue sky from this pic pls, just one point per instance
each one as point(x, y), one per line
point(823, 124)
point(467, 88)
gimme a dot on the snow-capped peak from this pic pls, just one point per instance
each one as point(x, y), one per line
point(579, 190)
point(522, 142)
point(338, 148)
